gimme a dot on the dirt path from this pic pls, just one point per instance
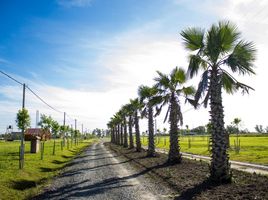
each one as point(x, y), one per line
point(98, 174)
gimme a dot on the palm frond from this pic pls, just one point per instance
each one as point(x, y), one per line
point(167, 114)
point(242, 58)
point(228, 35)
point(162, 80)
point(179, 75)
point(193, 38)
point(195, 63)
point(205, 102)
point(179, 113)
point(231, 85)
point(188, 91)
point(202, 86)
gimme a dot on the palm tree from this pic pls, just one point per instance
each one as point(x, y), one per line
point(117, 121)
point(137, 107)
point(218, 52)
point(147, 95)
point(130, 112)
point(124, 112)
point(170, 91)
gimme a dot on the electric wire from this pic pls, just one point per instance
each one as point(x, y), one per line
point(11, 77)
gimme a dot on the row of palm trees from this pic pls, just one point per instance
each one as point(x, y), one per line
point(217, 52)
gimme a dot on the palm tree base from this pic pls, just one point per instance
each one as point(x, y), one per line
point(151, 154)
point(220, 180)
point(174, 161)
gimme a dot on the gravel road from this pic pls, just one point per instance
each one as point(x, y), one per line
point(99, 174)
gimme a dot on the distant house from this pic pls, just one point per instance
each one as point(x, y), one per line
point(13, 136)
point(33, 133)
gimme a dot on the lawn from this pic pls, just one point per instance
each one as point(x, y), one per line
point(254, 149)
point(23, 184)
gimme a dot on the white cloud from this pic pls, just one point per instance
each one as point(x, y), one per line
point(131, 59)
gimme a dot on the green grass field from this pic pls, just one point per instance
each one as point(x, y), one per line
point(254, 149)
point(23, 184)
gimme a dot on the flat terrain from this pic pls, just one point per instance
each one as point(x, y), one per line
point(98, 174)
point(189, 179)
point(22, 184)
point(254, 149)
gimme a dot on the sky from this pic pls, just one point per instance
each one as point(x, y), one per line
point(88, 57)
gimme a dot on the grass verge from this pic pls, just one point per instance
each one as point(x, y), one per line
point(254, 149)
point(189, 178)
point(37, 173)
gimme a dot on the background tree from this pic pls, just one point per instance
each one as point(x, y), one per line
point(218, 52)
point(55, 128)
point(23, 119)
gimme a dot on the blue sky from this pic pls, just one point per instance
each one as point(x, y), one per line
point(41, 39)
point(78, 53)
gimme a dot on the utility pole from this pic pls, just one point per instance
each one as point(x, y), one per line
point(82, 129)
point(21, 162)
point(64, 134)
point(75, 132)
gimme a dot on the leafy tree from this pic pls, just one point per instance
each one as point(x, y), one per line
point(259, 128)
point(218, 52)
point(231, 129)
point(55, 128)
point(169, 90)
point(23, 119)
point(46, 122)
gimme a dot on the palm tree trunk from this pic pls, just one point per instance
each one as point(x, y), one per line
point(174, 155)
point(121, 134)
point(118, 134)
point(125, 133)
point(151, 147)
point(131, 144)
point(137, 132)
point(220, 167)
point(112, 135)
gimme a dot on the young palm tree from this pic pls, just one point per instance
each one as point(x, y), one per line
point(218, 52)
point(137, 107)
point(170, 88)
point(147, 95)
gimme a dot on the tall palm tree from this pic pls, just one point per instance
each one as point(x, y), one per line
point(124, 112)
point(137, 107)
point(170, 89)
point(218, 52)
point(117, 121)
point(130, 112)
point(147, 95)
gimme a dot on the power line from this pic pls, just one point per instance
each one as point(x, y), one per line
point(43, 100)
point(37, 96)
point(11, 77)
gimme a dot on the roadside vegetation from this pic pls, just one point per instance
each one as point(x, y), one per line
point(253, 149)
point(218, 55)
point(25, 183)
